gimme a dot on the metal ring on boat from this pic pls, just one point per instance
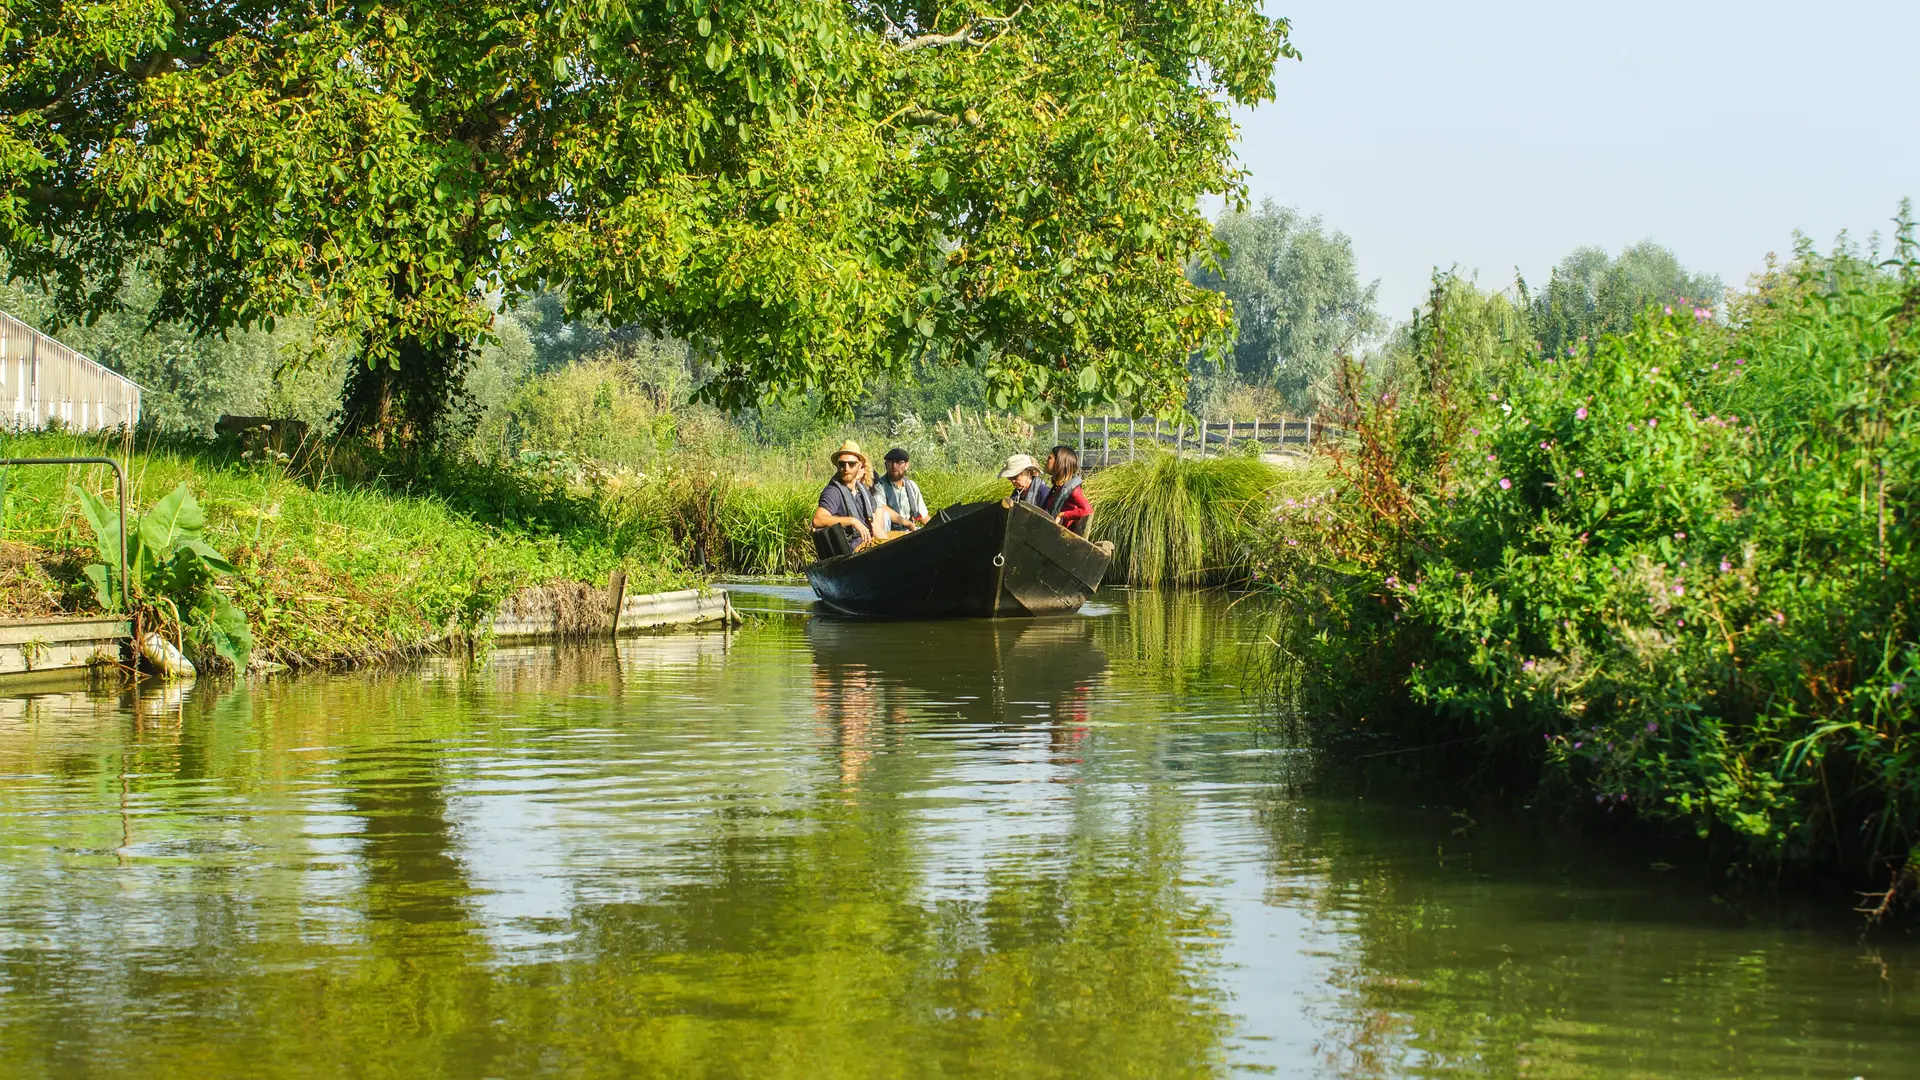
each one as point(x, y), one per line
point(1000, 560)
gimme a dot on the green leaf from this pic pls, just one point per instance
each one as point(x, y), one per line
point(174, 518)
point(925, 326)
point(105, 587)
point(105, 523)
point(206, 554)
point(1089, 378)
point(940, 179)
point(232, 638)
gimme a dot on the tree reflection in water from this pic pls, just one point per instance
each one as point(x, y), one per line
point(869, 917)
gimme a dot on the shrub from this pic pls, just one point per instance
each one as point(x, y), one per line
point(1678, 573)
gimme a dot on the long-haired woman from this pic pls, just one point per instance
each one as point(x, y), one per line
point(1067, 501)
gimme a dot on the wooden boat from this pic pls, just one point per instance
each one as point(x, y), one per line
point(977, 559)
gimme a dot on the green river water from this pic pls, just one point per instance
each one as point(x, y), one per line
point(810, 848)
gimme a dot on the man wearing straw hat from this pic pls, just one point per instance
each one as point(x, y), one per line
point(847, 505)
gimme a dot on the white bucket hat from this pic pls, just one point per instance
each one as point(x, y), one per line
point(1018, 464)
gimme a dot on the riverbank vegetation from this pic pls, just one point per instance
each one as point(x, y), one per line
point(1186, 522)
point(330, 568)
point(1668, 572)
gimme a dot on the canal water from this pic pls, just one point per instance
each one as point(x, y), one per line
point(815, 848)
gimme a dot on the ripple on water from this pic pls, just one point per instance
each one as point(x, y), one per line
point(814, 847)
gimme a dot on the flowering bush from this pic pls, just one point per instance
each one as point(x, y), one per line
point(1679, 572)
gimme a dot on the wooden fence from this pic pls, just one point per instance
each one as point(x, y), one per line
point(42, 380)
point(1107, 440)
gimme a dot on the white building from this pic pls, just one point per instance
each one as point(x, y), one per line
point(41, 379)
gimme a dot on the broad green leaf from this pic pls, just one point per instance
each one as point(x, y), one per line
point(172, 519)
point(232, 638)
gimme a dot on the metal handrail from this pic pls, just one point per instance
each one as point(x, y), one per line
point(120, 474)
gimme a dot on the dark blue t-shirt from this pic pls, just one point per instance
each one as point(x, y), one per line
point(833, 498)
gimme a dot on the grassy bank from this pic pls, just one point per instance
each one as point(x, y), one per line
point(333, 569)
point(341, 556)
point(1669, 577)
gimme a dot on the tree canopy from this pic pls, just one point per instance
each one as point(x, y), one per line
point(1591, 294)
point(1297, 298)
point(811, 192)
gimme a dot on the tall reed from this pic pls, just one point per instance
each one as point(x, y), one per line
point(1180, 521)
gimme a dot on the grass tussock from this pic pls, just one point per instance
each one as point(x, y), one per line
point(1180, 521)
point(343, 569)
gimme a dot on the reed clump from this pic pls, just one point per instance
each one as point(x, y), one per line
point(1183, 521)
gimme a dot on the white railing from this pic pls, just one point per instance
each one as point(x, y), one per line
point(1105, 440)
point(43, 380)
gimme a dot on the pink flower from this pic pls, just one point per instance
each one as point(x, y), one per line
point(1779, 618)
point(1679, 590)
point(1505, 483)
point(1490, 457)
point(1739, 361)
point(1651, 424)
point(1725, 566)
point(1580, 413)
point(1669, 309)
point(1580, 474)
point(1700, 314)
point(1680, 536)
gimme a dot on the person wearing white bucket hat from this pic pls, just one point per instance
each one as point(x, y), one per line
point(1024, 472)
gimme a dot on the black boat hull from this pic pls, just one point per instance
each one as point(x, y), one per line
point(978, 560)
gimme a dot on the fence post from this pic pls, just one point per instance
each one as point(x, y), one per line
point(1180, 440)
point(1309, 433)
point(1081, 442)
point(1106, 443)
point(1131, 444)
point(1256, 437)
point(1229, 434)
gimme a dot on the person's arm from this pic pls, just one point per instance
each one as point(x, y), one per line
point(823, 517)
point(1077, 509)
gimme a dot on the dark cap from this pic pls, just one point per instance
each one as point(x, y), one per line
point(896, 454)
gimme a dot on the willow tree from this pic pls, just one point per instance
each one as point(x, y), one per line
point(813, 192)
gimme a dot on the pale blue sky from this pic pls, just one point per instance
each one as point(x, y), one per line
point(1498, 134)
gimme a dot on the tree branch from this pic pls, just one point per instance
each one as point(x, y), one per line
point(973, 33)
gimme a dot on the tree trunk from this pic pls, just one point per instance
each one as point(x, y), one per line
point(411, 401)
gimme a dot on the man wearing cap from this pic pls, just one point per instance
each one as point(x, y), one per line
point(900, 494)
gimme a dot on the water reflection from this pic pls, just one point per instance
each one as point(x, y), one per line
point(820, 848)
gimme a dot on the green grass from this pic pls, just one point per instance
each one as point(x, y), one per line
point(1181, 521)
point(350, 571)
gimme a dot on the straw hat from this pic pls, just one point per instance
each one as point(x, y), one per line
point(849, 447)
point(1016, 465)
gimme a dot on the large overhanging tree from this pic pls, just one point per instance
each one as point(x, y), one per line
point(814, 192)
